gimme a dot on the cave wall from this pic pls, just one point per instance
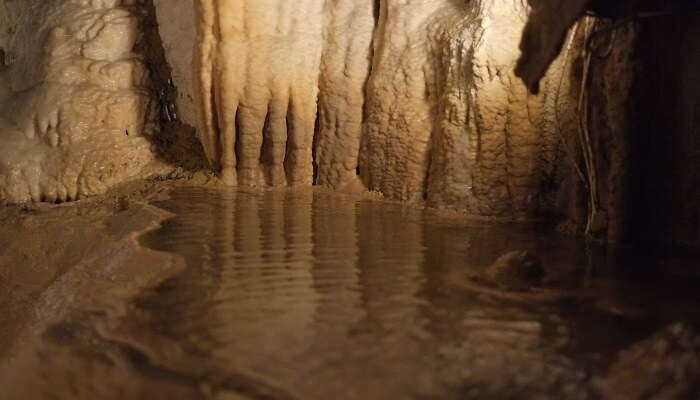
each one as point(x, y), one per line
point(639, 115)
point(416, 100)
point(346, 62)
point(418, 97)
point(426, 107)
point(77, 111)
point(448, 122)
point(4, 32)
point(645, 120)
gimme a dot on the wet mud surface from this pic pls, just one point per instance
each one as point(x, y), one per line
point(220, 294)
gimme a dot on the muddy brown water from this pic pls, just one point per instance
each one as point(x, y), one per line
point(315, 295)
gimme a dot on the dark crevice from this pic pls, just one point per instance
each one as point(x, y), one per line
point(174, 141)
point(365, 85)
point(238, 151)
point(317, 128)
point(290, 138)
point(267, 147)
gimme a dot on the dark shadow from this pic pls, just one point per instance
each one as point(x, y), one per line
point(175, 142)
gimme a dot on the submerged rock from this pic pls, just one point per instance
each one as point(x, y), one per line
point(516, 269)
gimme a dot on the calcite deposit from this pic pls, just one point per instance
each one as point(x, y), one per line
point(447, 120)
point(75, 108)
point(416, 100)
point(256, 69)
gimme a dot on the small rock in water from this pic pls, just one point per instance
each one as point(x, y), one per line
point(516, 269)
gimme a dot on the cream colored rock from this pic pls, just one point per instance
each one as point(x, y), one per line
point(446, 119)
point(421, 97)
point(256, 80)
point(345, 66)
point(268, 71)
point(76, 114)
point(395, 155)
point(496, 148)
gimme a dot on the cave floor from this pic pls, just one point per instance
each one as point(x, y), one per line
point(176, 291)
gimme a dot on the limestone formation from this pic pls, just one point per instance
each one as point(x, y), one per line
point(418, 96)
point(256, 68)
point(74, 99)
point(446, 119)
point(345, 67)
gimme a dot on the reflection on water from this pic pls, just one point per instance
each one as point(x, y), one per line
point(326, 296)
point(312, 295)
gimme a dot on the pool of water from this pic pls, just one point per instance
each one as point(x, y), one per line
point(308, 294)
point(323, 296)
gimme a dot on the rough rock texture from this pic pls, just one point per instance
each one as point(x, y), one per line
point(4, 32)
point(259, 67)
point(418, 95)
point(74, 99)
point(418, 100)
point(345, 67)
point(641, 120)
point(446, 119)
point(395, 150)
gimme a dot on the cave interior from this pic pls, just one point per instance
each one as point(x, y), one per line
point(272, 199)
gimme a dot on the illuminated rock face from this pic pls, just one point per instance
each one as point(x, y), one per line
point(345, 66)
point(74, 103)
point(268, 76)
point(419, 96)
point(447, 120)
point(415, 99)
point(256, 77)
